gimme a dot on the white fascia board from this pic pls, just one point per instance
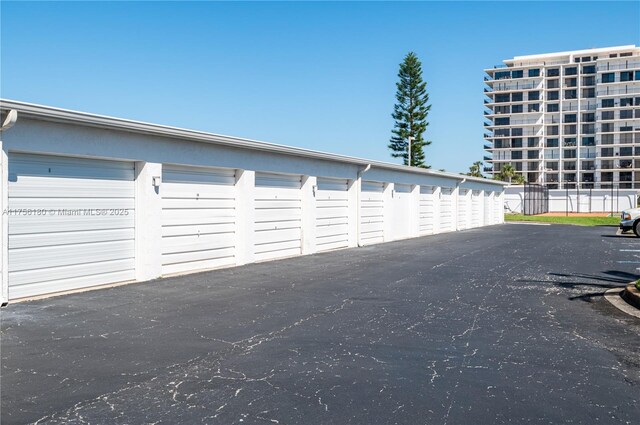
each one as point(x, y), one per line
point(52, 114)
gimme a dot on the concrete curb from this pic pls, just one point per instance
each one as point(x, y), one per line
point(631, 295)
point(614, 296)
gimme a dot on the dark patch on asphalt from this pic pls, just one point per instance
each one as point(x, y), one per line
point(505, 324)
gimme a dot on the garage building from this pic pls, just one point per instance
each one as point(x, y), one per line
point(91, 200)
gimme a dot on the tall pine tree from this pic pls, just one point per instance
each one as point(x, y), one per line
point(410, 113)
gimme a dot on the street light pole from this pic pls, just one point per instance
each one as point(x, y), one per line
point(410, 140)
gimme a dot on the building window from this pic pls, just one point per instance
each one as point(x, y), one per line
point(570, 129)
point(516, 109)
point(569, 142)
point(553, 107)
point(570, 118)
point(553, 84)
point(534, 107)
point(588, 93)
point(516, 142)
point(516, 132)
point(626, 101)
point(553, 72)
point(534, 72)
point(627, 151)
point(516, 74)
point(607, 115)
point(626, 114)
point(502, 98)
point(607, 103)
point(609, 77)
point(571, 71)
point(532, 142)
point(589, 69)
point(590, 117)
point(502, 121)
point(588, 141)
point(637, 77)
point(607, 127)
point(502, 110)
point(570, 94)
point(606, 152)
point(501, 75)
point(553, 95)
point(516, 97)
point(551, 143)
point(534, 95)
point(626, 76)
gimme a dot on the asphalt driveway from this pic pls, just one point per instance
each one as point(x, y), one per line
point(505, 324)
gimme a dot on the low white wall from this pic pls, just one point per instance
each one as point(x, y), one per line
point(577, 201)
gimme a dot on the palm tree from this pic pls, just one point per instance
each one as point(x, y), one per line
point(475, 170)
point(507, 173)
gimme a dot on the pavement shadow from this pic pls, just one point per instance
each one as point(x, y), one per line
point(607, 280)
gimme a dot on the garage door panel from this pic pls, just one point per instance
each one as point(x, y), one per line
point(52, 187)
point(283, 248)
point(290, 234)
point(332, 212)
point(199, 229)
point(193, 264)
point(66, 255)
point(277, 215)
point(198, 218)
point(22, 164)
point(110, 205)
point(29, 290)
point(332, 229)
point(272, 225)
point(193, 191)
point(198, 203)
point(82, 229)
point(57, 223)
point(176, 244)
point(28, 277)
point(28, 240)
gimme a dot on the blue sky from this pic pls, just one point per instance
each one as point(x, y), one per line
point(314, 75)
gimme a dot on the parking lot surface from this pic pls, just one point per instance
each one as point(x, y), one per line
point(505, 324)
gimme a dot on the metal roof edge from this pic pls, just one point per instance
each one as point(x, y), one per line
point(50, 113)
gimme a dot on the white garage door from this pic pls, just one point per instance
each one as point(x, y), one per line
point(402, 211)
point(278, 216)
point(198, 218)
point(488, 208)
point(71, 223)
point(371, 213)
point(427, 210)
point(446, 210)
point(476, 208)
point(464, 209)
point(332, 214)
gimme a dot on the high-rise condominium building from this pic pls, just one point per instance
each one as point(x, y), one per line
point(568, 119)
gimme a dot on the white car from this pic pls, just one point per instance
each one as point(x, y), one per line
point(630, 220)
